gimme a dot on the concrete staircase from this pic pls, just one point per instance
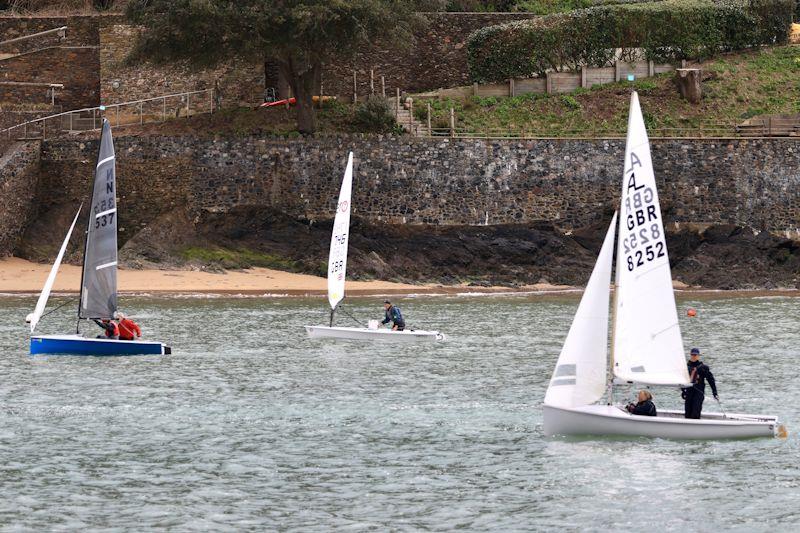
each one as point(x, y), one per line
point(405, 118)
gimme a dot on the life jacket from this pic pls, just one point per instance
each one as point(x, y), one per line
point(128, 329)
point(111, 333)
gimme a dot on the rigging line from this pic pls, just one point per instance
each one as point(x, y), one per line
point(71, 300)
point(340, 308)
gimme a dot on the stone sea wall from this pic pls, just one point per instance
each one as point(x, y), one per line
point(400, 180)
point(19, 163)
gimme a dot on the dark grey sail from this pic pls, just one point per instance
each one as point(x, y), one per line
point(99, 285)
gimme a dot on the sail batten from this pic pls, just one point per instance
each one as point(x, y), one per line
point(99, 280)
point(337, 257)
point(648, 347)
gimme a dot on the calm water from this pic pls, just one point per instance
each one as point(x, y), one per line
point(250, 425)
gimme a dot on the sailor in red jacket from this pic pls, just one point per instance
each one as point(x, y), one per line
point(128, 329)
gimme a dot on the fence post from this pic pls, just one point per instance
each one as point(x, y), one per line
point(188, 98)
point(452, 122)
point(211, 100)
point(511, 91)
point(583, 76)
point(94, 118)
point(70, 122)
point(355, 87)
point(383, 86)
point(44, 129)
point(474, 89)
point(617, 70)
point(141, 113)
point(372, 82)
point(549, 84)
point(397, 104)
point(430, 133)
point(163, 109)
point(651, 68)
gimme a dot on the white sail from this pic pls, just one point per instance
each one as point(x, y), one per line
point(51, 278)
point(648, 347)
point(337, 258)
point(580, 375)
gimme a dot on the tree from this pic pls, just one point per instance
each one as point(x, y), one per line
point(298, 35)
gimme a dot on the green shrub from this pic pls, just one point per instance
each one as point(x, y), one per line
point(375, 116)
point(666, 31)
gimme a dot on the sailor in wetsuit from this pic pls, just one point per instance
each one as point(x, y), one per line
point(694, 395)
point(644, 406)
point(110, 327)
point(394, 316)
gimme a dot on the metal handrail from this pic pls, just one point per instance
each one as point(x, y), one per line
point(105, 108)
point(61, 30)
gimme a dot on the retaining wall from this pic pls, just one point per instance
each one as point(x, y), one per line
point(572, 183)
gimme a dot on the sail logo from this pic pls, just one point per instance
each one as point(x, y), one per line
point(344, 206)
point(644, 242)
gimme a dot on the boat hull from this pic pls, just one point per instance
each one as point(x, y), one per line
point(77, 345)
point(377, 335)
point(610, 420)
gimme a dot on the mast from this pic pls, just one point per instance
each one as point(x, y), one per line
point(86, 233)
point(614, 302)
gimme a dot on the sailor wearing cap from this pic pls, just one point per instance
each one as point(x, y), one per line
point(698, 374)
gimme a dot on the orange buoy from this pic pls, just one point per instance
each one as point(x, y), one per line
point(691, 312)
point(781, 433)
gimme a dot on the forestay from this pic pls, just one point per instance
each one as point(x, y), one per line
point(99, 286)
point(580, 374)
point(337, 258)
point(648, 346)
point(51, 278)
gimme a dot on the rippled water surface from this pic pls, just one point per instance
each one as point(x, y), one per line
point(250, 425)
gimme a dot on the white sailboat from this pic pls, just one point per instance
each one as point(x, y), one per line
point(337, 271)
point(646, 343)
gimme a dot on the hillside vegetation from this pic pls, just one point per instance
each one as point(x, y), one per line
point(735, 87)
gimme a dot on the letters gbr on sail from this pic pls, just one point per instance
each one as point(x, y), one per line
point(642, 237)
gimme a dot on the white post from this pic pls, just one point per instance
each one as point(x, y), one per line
point(383, 86)
point(355, 87)
point(372, 82)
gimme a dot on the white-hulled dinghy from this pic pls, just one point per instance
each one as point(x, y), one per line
point(647, 347)
point(337, 271)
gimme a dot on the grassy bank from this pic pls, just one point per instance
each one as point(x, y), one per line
point(735, 88)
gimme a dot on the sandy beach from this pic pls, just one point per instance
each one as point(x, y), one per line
point(21, 276)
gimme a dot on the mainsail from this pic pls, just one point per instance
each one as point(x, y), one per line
point(580, 375)
point(99, 282)
point(337, 258)
point(51, 278)
point(648, 347)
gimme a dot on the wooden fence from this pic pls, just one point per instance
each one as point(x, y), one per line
point(558, 82)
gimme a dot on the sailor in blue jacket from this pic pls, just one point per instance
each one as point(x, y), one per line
point(394, 316)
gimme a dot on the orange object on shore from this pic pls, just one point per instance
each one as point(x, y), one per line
point(691, 312)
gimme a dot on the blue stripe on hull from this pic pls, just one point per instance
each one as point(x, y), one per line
point(44, 345)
